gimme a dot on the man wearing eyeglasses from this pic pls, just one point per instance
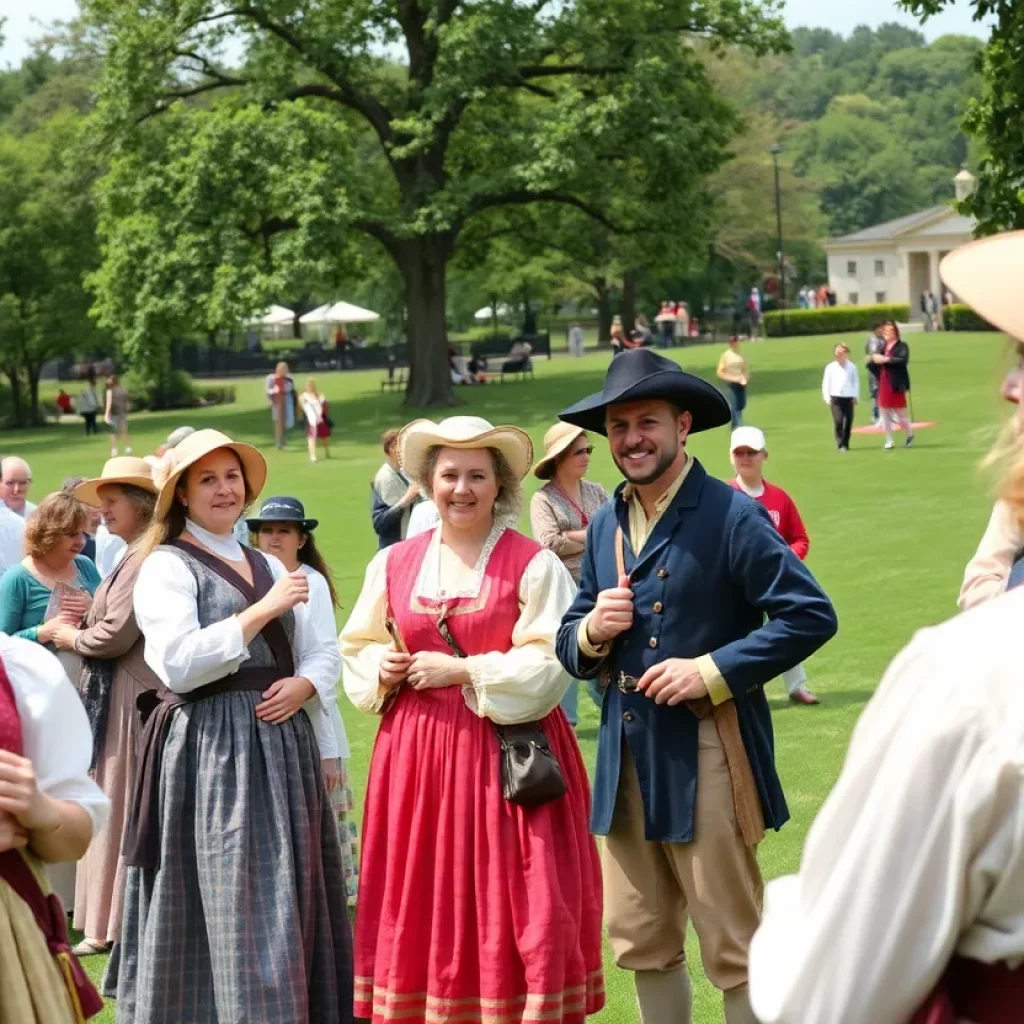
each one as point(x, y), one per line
point(16, 477)
point(12, 532)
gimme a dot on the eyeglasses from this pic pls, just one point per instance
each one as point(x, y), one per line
point(589, 450)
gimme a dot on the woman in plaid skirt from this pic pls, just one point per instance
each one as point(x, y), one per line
point(282, 530)
point(235, 906)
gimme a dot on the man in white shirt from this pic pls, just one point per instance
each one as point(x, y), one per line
point(12, 531)
point(16, 477)
point(840, 388)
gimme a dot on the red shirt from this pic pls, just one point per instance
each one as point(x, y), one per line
point(784, 515)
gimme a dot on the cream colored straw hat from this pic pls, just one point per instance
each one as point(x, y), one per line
point(418, 437)
point(556, 440)
point(986, 275)
point(125, 469)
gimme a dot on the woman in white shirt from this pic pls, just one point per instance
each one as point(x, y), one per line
point(49, 811)
point(235, 905)
point(840, 388)
point(318, 427)
point(281, 529)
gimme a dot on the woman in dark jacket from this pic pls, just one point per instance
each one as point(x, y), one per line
point(893, 383)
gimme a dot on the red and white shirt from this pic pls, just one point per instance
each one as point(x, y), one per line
point(782, 509)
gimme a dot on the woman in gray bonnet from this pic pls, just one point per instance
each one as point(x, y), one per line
point(235, 904)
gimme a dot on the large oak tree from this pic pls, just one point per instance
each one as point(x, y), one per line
point(410, 118)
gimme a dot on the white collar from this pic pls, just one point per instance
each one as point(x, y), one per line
point(223, 545)
point(750, 492)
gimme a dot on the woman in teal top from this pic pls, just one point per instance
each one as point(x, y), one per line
point(54, 538)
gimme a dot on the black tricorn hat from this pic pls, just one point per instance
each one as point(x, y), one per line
point(640, 374)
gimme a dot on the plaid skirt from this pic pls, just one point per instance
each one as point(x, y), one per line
point(245, 919)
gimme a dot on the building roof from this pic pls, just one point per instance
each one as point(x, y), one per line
point(893, 228)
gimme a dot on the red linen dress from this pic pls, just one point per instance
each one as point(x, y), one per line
point(471, 909)
point(887, 398)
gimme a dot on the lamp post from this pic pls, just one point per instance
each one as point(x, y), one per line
point(775, 151)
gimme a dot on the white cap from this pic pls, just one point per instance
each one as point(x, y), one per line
point(748, 437)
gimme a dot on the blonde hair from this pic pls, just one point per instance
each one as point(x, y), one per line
point(172, 525)
point(58, 515)
point(509, 502)
point(311, 384)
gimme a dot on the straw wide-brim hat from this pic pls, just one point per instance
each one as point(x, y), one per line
point(125, 469)
point(556, 440)
point(195, 447)
point(986, 275)
point(464, 432)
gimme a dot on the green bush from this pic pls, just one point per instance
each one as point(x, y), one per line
point(786, 323)
point(487, 333)
point(172, 389)
point(962, 318)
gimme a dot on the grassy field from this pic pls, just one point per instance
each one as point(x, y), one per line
point(890, 531)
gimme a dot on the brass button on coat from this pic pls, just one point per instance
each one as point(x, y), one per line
point(657, 607)
point(653, 642)
point(663, 574)
point(628, 716)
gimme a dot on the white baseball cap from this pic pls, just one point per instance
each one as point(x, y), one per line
point(748, 437)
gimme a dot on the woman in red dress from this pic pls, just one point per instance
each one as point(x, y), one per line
point(471, 908)
point(893, 383)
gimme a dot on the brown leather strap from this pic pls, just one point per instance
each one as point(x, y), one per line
point(745, 796)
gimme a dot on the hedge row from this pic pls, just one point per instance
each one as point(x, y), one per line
point(788, 323)
point(175, 390)
point(963, 318)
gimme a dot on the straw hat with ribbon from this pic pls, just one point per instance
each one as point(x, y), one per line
point(195, 447)
point(125, 469)
point(557, 440)
point(418, 437)
point(985, 274)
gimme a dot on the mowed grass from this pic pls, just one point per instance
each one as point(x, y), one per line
point(890, 531)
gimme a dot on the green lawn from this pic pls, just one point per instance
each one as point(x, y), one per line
point(890, 531)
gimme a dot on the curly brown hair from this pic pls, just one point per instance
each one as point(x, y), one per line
point(58, 515)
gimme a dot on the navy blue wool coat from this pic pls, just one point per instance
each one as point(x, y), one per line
point(713, 578)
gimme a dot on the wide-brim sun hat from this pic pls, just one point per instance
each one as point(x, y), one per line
point(556, 440)
point(986, 275)
point(642, 375)
point(125, 469)
point(463, 432)
point(282, 509)
point(195, 447)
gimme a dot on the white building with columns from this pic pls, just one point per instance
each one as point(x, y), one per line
point(899, 260)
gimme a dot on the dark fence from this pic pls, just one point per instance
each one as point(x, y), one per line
point(207, 361)
point(541, 344)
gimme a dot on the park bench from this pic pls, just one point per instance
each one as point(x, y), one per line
point(396, 380)
point(522, 374)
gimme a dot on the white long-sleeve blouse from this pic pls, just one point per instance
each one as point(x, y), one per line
point(508, 687)
point(186, 656)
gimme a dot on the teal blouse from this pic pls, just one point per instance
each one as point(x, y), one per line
point(23, 599)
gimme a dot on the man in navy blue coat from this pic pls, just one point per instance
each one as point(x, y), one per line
point(689, 602)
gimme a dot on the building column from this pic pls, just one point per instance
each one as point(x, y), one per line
point(935, 283)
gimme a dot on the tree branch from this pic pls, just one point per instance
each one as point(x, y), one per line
point(555, 70)
point(523, 197)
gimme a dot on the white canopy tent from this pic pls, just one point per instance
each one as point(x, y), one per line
point(487, 313)
point(339, 313)
point(276, 316)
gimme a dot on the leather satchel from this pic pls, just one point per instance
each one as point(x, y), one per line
point(530, 773)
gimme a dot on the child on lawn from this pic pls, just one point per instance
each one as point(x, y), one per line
point(748, 453)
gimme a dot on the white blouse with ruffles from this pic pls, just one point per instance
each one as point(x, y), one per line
point(185, 656)
point(508, 687)
point(54, 727)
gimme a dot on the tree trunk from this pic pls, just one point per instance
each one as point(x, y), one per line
point(628, 302)
point(423, 263)
point(33, 393)
point(604, 311)
point(14, 379)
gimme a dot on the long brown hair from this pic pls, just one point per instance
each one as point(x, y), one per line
point(309, 554)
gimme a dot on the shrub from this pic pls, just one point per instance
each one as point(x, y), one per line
point(831, 320)
point(172, 389)
point(962, 318)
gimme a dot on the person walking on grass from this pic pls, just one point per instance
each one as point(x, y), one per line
point(875, 346)
point(734, 370)
point(689, 603)
point(116, 415)
point(840, 388)
point(893, 383)
point(318, 425)
point(748, 452)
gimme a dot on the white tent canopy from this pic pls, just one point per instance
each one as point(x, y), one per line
point(487, 313)
point(339, 313)
point(274, 317)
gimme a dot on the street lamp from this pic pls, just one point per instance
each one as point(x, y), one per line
point(775, 151)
